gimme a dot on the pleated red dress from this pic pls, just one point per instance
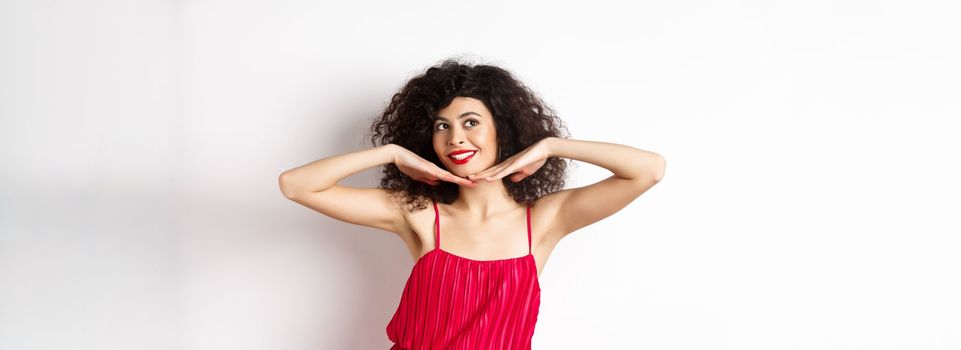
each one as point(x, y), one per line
point(452, 302)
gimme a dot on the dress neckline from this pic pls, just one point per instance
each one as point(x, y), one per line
point(469, 259)
point(537, 277)
point(483, 261)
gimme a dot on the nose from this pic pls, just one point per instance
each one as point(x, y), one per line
point(456, 138)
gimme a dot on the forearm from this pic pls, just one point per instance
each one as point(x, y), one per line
point(324, 173)
point(624, 161)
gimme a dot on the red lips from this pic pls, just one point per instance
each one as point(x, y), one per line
point(461, 161)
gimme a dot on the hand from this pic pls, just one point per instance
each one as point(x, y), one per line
point(521, 165)
point(423, 170)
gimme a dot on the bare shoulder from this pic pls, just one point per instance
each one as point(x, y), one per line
point(544, 228)
point(418, 227)
point(574, 208)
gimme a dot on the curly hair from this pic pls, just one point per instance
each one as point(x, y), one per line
point(521, 119)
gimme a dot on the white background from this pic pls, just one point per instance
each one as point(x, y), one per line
point(811, 198)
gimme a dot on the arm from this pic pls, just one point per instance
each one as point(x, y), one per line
point(314, 185)
point(635, 171)
point(325, 173)
point(625, 162)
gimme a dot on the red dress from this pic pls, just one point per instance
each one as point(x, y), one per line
point(452, 302)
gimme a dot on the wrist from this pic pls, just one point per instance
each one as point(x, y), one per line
point(550, 143)
point(392, 151)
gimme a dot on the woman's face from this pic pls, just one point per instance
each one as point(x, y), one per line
point(465, 124)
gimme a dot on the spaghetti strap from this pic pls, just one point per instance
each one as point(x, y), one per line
point(436, 226)
point(528, 229)
point(459, 303)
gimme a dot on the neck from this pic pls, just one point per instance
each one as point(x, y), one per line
point(486, 199)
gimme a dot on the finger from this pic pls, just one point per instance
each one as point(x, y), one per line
point(484, 175)
point(444, 175)
point(512, 168)
point(431, 178)
point(488, 174)
point(492, 177)
point(498, 175)
point(450, 177)
point(462, 181)
point(480, 175)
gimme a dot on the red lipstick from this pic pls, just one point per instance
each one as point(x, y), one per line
point(459, 154)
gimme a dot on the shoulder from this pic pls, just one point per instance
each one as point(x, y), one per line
point(544, 221)
point(418, 222)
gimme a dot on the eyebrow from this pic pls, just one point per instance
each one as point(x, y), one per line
point(459, 117)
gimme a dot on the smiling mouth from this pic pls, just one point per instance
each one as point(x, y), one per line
point(462, 158)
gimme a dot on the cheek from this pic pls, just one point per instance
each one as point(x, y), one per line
point(487, 137)
point(490, 149)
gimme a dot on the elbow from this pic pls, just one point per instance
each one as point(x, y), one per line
point(284, 183)
point(653, 169)
point(659, 168)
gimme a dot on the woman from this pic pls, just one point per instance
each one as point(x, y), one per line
point(485, 152)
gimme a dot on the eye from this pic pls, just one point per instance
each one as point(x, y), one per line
point(437, 127)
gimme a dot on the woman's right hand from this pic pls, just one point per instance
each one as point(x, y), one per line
point(423, 170)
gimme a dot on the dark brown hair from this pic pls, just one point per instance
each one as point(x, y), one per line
point(521, 119)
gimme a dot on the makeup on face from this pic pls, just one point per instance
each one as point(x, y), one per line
point(461, 156)
point(458, 156)
point(474, 131)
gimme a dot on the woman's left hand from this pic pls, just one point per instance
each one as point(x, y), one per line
point(523, 164)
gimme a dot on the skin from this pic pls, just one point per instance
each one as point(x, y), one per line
point(473, 130)
point(484, 222)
